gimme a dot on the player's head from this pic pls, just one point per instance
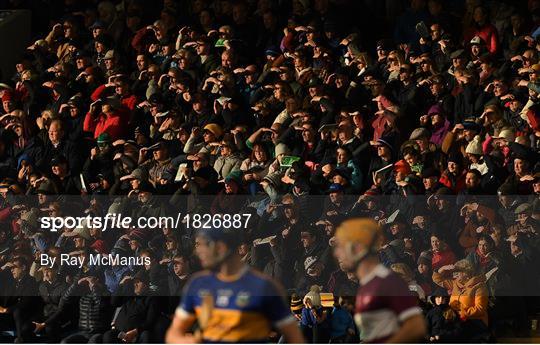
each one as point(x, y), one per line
point(356, 240)
point(214, 246)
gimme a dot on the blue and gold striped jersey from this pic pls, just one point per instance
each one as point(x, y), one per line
point(235, 309)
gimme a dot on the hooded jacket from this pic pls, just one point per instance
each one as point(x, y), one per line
point(470, 301)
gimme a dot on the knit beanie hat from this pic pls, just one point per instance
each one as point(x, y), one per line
point(281, 149)
point(296, 304)
point(475, 146)
point(314, 295)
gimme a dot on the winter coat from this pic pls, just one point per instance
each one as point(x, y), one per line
point(469, 301)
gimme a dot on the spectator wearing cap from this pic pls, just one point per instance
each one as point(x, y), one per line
point(524, 222)
point(460, 136)
point(477, 49)
point(482, 220)
point(385, 156)
point(336, 205)
point(405, 91)
point(229, 199)
point(513, 106)
point(111, 64)
point(136, 178)
point(118, 86)
point(229, 159)
point(101, 157)
point(74, 119)
point(430, 179)
point(211, 134)
point(107, 119)
point(149, 205)
point(65, 182)
point(430, 153)
point(423, 272)
point(102, 44)
point(439, 94)
point(508, 201)
point(158, 164)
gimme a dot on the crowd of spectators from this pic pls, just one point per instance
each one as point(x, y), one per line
point(422, 114)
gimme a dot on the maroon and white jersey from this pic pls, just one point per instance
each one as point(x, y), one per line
point(383, 302)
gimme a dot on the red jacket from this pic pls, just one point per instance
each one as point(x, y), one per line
point(441, 259)
point(128, 103)
point(489, 34)
point(103, 123)
point(453, 183)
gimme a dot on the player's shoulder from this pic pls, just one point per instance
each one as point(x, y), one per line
point(383, 276)
point(200, 277)
point(263, 280)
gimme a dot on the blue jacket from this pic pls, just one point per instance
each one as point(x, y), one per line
point(341, 320)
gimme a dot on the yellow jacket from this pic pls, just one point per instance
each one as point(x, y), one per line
point(469, 301)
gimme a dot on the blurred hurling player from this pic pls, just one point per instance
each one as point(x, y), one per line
point(231, 302)
point(385, 309)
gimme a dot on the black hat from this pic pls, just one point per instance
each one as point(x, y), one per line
point(155, 98)
point(81, 54)
point(142, 276)
point(455, 157)
point(57, 160)
point(302, 184)
point(314, 82)
point(103, 39)
point(506, 189)
point(430, 172)
point(438, 292)
point(443, 191)
point(145, 186)
point(204, 173)
point(471, 126)
point(384, 45)
point(460, 53)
